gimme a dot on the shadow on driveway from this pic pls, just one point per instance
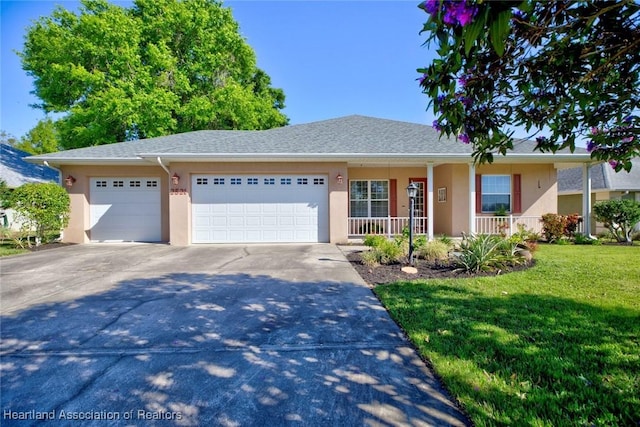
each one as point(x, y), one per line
point(231, 350)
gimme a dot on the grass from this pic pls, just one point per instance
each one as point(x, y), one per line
point(7, 249)
point(557, 344)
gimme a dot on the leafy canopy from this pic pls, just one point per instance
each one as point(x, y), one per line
point(619, 216)
point(41, 208)
point(569, 70)
point(157, 68)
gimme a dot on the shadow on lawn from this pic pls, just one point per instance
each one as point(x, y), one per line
point(199, 349)
point(566, 362)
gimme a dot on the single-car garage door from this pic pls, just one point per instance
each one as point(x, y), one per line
point(125, 210)
point(259, 208)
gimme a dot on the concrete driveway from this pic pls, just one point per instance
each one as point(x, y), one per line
point(206, 335)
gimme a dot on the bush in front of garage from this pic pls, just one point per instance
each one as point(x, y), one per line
point(42, 209)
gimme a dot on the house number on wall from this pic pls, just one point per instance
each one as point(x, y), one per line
point(175, 191)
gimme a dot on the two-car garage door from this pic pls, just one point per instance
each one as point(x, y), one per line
point(259, 208)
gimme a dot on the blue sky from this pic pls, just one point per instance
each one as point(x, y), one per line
point(332, 58)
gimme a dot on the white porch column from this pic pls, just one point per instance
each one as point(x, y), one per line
point(586, 198)
point(430, 201)
point(472, 198)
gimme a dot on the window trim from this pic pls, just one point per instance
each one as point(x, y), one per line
point(369, 199)
point(483, 193)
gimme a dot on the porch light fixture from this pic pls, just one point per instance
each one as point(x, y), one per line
point(412, 192)
point(175, 179)
point(339, 178)
point(69, 180)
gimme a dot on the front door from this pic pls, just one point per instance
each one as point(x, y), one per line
point(420, 206)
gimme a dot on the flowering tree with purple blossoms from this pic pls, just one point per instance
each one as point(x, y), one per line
point(565, 71)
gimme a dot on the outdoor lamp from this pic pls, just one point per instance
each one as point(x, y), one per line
point(69, 180)
point(412, 192)
point(175, 179)
point(339, 178)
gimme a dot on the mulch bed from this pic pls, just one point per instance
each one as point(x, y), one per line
point(393, 273)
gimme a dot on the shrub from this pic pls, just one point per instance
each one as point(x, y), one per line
point(42, 208)
point(555, 227)
point(373, 240)
point(582, 239)
point(526, 238)
point(434, 251)
point(384, 251)
point(446, 240)
point(487, 252)
point(619, 216)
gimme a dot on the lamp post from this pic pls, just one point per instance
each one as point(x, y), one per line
point(412, 191)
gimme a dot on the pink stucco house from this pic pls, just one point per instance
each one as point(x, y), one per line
point(325, 181)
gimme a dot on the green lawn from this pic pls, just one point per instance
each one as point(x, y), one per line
point(7, 249)
point(556, 345)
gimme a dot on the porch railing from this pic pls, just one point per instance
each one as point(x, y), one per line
point(508, 225)
point(392, 226)
point(389, 226)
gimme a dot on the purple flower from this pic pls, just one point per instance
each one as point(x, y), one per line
point(518, 14)
point(464, 138)
point(465, 14)
point(431, 6)
point(595, 131)
point(541, 140)
point(422, 78)
point(436, 125)
point(463, 80)
point(614, 163)
point(591, 146)
point(627, 139)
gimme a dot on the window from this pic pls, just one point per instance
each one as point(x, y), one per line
point(318, 181)
point(252, 181)
point(202, 181)
point(134, 183)
point(236, 181)
point(101, 183)
point(303, 181)
point(369, 198)
point(218, 181)
point(269, 181)
point(118, 183)
point(496, 193)
point(285, 181)
point(152, 184)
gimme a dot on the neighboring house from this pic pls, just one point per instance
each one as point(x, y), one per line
point(15, 171)
point(325, 181)
point(606, 184)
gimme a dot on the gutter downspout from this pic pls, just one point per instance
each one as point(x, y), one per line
point(163, 166)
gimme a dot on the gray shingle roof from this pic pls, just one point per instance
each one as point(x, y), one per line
point(15, 171)
point(350, 135)
point(603, 177)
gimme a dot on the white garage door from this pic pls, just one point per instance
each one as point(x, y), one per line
point(259, 208)
point(125, 210)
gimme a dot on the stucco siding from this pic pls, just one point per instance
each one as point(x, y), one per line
point(80, 219)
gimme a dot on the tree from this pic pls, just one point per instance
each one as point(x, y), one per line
point(157, 68)
point(564, 70)
point(7, 138)
point(41, 208)
point(43, 138)
point(619, 216)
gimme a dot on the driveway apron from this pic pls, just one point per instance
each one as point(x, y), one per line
point(253, 335)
